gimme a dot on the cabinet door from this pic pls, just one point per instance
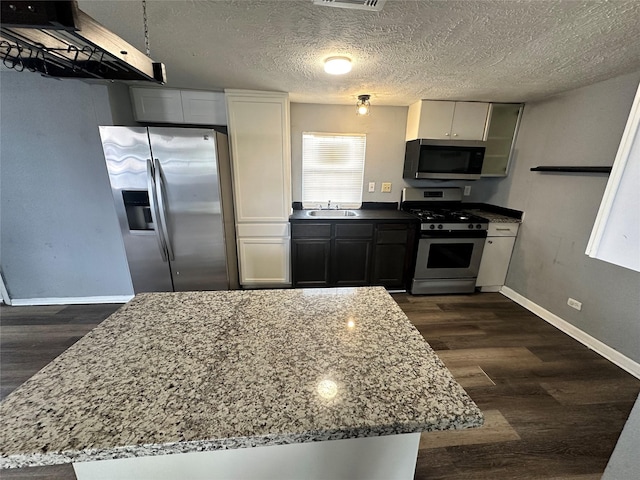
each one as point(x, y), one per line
point(263, 261)
point(503, 123)
point(351, 261)
point(204, 108)
point(159, 105)
point(389, 265)
point(469, 121)
point(435, 119)
point(495, 261)
point(261, 155)
point(310, 262)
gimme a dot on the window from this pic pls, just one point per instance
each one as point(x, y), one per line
point(332, 169)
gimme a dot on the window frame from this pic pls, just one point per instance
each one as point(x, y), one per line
point(313, 204)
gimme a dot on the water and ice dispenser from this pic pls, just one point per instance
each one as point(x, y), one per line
point(136, 204)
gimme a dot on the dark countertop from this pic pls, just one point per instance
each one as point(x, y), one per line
point(494, 213)
point(493, 217)
point(369, 215)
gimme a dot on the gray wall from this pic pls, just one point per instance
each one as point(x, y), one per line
point(59, 232)
point(120, 103)
point(385, 128)
point(580, 127)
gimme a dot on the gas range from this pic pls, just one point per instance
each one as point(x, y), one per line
point(451, 241)
point(440, 209)
point(446, 219)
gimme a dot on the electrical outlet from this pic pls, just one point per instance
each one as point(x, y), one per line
point(574, 303)
point(467, 190)
point(386, 187)
point(372, 187)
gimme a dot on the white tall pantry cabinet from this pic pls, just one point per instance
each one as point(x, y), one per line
point(259, 136)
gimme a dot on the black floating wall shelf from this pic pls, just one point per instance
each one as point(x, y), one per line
point(572, 169)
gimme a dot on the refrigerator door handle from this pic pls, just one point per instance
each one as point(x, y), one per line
point(151, 187)
point(161, 207)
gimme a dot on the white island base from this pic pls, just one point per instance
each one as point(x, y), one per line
point(390, 457)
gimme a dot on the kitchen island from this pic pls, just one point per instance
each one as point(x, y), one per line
point(333, 383)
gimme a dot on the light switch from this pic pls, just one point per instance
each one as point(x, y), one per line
point(386, 187)
point(372, 187)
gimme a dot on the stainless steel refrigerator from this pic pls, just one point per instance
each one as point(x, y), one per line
point(172, 192)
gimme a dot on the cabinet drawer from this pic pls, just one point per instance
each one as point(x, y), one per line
point(392, 234)
point(262, 229)
point(316, 230)
point(502, 229)
point(354, 230)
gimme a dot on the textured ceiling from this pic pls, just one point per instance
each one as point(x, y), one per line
point(503, 50)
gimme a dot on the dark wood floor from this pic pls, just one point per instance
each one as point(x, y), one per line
point(553, 408)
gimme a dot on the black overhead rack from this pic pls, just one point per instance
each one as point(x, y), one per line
point(59, 40)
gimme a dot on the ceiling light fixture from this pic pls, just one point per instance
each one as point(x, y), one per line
point(337, 65)
point(363, 106)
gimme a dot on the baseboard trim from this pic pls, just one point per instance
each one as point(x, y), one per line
point(23, 302)
point(594, 344)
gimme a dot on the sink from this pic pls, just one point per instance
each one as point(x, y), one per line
point(332, 213)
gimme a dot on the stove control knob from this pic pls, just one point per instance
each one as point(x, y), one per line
point(471, 225)
point(478, 226)
point(440, 227)
point(432, 227)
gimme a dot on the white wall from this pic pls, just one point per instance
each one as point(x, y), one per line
point(580, 127)
point(59, 232)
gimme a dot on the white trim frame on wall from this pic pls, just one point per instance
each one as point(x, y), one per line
point(4, 294)
point(627, 160)
point(587, 340)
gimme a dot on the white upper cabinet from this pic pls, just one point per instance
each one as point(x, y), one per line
point(259, 134)
point(166, 105)
point(158, 105)
point(447, 120)
point(207, 108)
point(504, 119)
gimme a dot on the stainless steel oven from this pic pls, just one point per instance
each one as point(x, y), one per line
point(448, 262)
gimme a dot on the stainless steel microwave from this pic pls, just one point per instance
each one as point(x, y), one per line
point(443, 159)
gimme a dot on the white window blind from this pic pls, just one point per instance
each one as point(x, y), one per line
point(332, 169)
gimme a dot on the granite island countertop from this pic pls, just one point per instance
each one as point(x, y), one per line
point(197, 371)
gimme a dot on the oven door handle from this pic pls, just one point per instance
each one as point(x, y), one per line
point(461, 234)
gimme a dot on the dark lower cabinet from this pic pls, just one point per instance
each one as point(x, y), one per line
point(310, 260)
point(351, 261)
point(393, 254)
point(352, 254)
point(389, 265)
